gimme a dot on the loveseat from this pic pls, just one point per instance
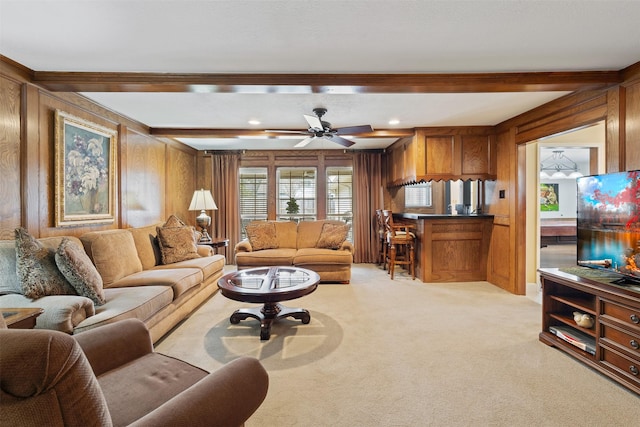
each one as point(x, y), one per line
point(136, 281)
point(112, 376)
point(320, 246)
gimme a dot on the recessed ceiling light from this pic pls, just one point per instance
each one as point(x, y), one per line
point(394, 121)
point(254, 122)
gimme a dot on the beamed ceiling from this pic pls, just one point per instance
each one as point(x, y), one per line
point(199, 71)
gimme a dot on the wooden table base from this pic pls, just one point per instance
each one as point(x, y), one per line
point(269, 313)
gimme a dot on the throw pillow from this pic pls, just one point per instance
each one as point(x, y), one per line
point(174, 221)
point(75, 265)
point(10, 283)
point(262, 235)
point(177, 241)
point(36, 268)
point(332, 236)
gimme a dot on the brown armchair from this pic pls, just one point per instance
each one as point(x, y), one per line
point(110, 375)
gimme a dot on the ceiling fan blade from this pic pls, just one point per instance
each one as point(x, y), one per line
point(339, 140)
point(286, 131)
point(353, 130)
point(304, 142)
point(314, 122)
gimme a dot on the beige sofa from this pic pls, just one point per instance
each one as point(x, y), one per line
point(136, 283)
point(297, 244)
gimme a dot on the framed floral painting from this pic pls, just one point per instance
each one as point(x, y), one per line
point(85, 169)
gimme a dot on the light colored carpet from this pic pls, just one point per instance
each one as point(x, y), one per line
point(404, 353)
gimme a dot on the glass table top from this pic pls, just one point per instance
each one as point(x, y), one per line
point(271, 278)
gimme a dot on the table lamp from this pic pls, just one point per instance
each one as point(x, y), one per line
point(202, 201)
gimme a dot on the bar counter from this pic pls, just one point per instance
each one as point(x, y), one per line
point(450, 248)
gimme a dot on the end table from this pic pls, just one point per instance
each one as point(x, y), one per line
point(217, 242)
point(21, 318)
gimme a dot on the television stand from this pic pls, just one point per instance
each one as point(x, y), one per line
point(615, 334)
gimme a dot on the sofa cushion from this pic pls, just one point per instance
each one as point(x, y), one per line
point(113, 253)
point(281, 256)
point(209, 265)
point(157, 377)
point(179, 279)
point(286, 233)
point(262, 235)
point(177, 241)
point(145, 239)
point(36, 268)
point(317, 256)
point(309, 233)
point(75, 265)
point(141, 302)
point(332, 235)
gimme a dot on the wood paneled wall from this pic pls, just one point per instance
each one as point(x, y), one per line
point(10, 150)
point(618, 106)
point(156, 177)
point(632, 126)
point(144, 187)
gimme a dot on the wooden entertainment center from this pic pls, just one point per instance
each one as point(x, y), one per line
point(615, 334)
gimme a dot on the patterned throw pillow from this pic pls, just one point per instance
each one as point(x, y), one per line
point(332, 236)
point(75, 265)
point(36, 268)
point(177, 241)
point(262, 235)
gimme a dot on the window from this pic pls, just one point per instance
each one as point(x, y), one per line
point(340, 195)
point(296, 194)
point(253, 195)
point(418, 195)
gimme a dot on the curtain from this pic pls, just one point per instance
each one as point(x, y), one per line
point(367, 171)
point(224, 176)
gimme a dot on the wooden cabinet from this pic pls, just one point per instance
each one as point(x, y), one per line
point(615, 335)
point(443, 154)
point(395, 164)
point(450, 248)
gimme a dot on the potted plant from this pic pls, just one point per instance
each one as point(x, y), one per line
point(292, 207)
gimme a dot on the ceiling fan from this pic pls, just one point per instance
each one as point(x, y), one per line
point(321, 129)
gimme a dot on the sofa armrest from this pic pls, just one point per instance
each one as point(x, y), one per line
point(205, 250)
point(115, 344)
point(243, 246)
point(226, 397)
point(61, 312)
point(46, 380)
point(347, 246)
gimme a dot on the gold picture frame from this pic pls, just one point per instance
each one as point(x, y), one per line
point(85, 171)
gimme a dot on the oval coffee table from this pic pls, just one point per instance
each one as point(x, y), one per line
point(269, 286)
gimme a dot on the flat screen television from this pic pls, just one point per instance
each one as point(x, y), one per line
point(608, 223)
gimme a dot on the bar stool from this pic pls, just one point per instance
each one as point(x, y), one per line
point(400, 245)
point(382, 238)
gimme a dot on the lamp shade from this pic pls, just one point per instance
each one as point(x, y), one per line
point(202, 200)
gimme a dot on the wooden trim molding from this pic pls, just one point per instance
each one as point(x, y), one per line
point(325, 83)
point(235, 133)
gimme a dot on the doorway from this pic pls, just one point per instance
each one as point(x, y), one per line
point(551, 197)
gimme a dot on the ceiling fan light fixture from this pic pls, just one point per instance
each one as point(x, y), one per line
point(319, 128)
